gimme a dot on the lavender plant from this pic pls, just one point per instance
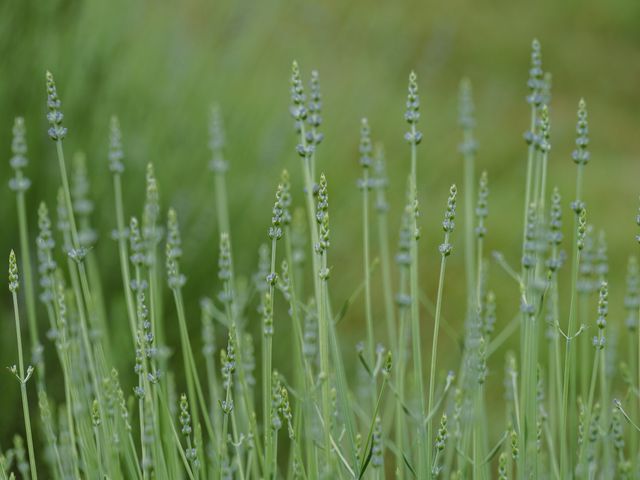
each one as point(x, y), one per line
point(569, 410)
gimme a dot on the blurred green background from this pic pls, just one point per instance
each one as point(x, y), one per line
point(159, 65)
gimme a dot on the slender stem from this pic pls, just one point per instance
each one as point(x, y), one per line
point(67, 195)
point(223, 451)
point(529, 178)
point(193, 382)
point(469, 184)
point(634, 454)
point(633, 355)
point(605, 400)
point(80, 285)
point(176, 437)
point(367, 275)
point(423, 461)
point(568, 387)
point(244, 387)
point(221, 203)
point(303, 376)
point(434, 349)
point(385, 261)
point(589, 409)
point(124, 255)
point(25, 258)
point(23, 389)
point(267, 387)
point(401, 361)
point(311, 215)
point(323, 333)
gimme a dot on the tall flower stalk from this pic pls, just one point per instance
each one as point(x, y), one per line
point(21, 374)
point(20, 184)
point(581, 157)
point(445, 250)
point(116, 166)
point(366, 160)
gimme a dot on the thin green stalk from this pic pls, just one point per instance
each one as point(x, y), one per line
point(445, 251)
point(528, 333)
point(383, 244)
point(226, 273)
point(568, 387)
point(469, 181)
point(583, 345)
point(223, 451)
point(78, 274)
point(632, 352)
point(367, 274)
point(303, 375)
point(124, 255)
point(23, 376)
point(478, 452)
point(65, 363)
point(421, 439)
point(193, 381)
point(267, 354)
point(221, 202)
point(323, 334)
point(26, 272)
point(365, 185)
point(529, 175)
point(594, 375)
point(236, 441)
point(176, 437)
point(556, 362)
point(401, 361)
point(434, 351)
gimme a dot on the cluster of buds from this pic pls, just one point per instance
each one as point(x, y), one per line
point(57, 132)
point(267, 315)
point(582, 228)
point(529, 247)
point(18, 161)
point(448, 224)
point(554, 234)
point(403, 256)
point(322, 216)
point(466, 119)
point(581, 154)
point(603, 311)
point(299, 110)
point(285, 198)
point(150, 231)
point(535, 83)
point(116, 153)
point(632, 297)
point(14, 282)
point(365, 148)
point(137, 256)
point(228, 362)
point(314, 117)
point(412, 113)
point(224, 268)
point(377, 445)
point(218, 162)
point(542, 140)
point(173, 252)
point(185, 418)
point(482, 206)
point(46, 264)
point(277, 216)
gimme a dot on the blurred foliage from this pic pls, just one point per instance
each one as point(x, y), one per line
point(159, 66)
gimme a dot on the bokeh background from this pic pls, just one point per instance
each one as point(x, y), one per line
point(159, 65)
